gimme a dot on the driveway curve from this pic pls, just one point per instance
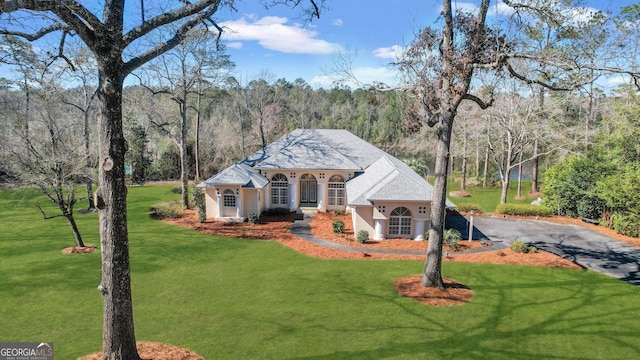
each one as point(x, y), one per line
point(585, 247)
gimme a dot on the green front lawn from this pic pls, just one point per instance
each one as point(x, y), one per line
point(244, 299)
point(489, 197)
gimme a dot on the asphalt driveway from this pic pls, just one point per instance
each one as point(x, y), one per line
point(585, 247)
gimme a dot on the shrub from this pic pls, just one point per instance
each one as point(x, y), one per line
point(253, 218)
point(523, 210)
point(199, 203)
point(451, 238)
point(532, 249)
point(338, 212)
point(171, 210)
point(476, 208)
point(363, 236)
point(176, 190)
point(519, 247)
point(338, 226)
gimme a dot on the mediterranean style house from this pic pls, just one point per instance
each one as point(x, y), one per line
point(325, 170)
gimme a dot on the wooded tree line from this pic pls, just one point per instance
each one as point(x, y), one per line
point(224, 121)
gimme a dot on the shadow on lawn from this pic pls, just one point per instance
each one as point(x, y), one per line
point(572, 319)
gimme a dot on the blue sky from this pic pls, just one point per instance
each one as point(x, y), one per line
point(276, 42)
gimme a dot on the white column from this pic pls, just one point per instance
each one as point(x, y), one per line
point(293, 195)
point(219, 197)
point(239, 204)
point(379, 235)
point(419, 230)
point(321, 196)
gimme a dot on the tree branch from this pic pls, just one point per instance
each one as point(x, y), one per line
point(162, 48)
point(528, 81)
point(483, 105)
point(177, 14)
point(37, 35)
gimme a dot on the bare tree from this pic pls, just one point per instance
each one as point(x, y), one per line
point(440, 66)
point(48, 156)
point(116, 40)
point(84, 72)
point(179, 74)
point(511, 120)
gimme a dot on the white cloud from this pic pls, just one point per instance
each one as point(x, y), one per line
point(273, 33)
point(234, 45)
point(464, 6)
point(366, 75)
point(614, 81)
point(500, 8)
point(336, 22)
point(391, 52)
point(581, 14)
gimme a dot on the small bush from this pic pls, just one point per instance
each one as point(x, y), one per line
point(532, 249)
point(199, 203)
point(523, 210)
point(363, 236)
point(338, 212)
point(476, 208)
point(253, 218)
point(338, 226)
point(276, 212)
point(176, 190)
point(451, 238)
point(519, 247)
point(171, 210)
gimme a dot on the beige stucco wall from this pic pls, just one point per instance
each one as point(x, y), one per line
point(211, 203)
point(252, 201)
point(294, 176)
point(364, 218)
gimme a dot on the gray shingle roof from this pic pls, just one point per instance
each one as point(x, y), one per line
point(238, 174)
point(318, 149)
point(387, 179)
point(383, 177)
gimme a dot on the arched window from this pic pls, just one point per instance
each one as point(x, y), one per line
point(336, 190)
point(279, 190)
point(229, 198)
point(400, 221)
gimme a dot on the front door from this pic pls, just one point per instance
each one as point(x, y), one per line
point(308, 190)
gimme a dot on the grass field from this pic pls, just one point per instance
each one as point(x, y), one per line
point(244, 299)
point(489, 198)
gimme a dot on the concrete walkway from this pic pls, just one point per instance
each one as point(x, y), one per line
point(302, 228)
point(583, 246)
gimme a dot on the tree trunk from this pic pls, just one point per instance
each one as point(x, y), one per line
point(74, 229)
point(432, 276)
point(198, 115)
point(119, 341)
point(87, 156)
point(485, 171)
point(463, 181)
point(534, 171)
point(520, 175)
point(184, 159)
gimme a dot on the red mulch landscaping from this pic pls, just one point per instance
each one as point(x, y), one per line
point(155, 351)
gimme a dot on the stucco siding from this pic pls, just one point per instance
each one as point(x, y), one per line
point(363, 220)
point(211, 201)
